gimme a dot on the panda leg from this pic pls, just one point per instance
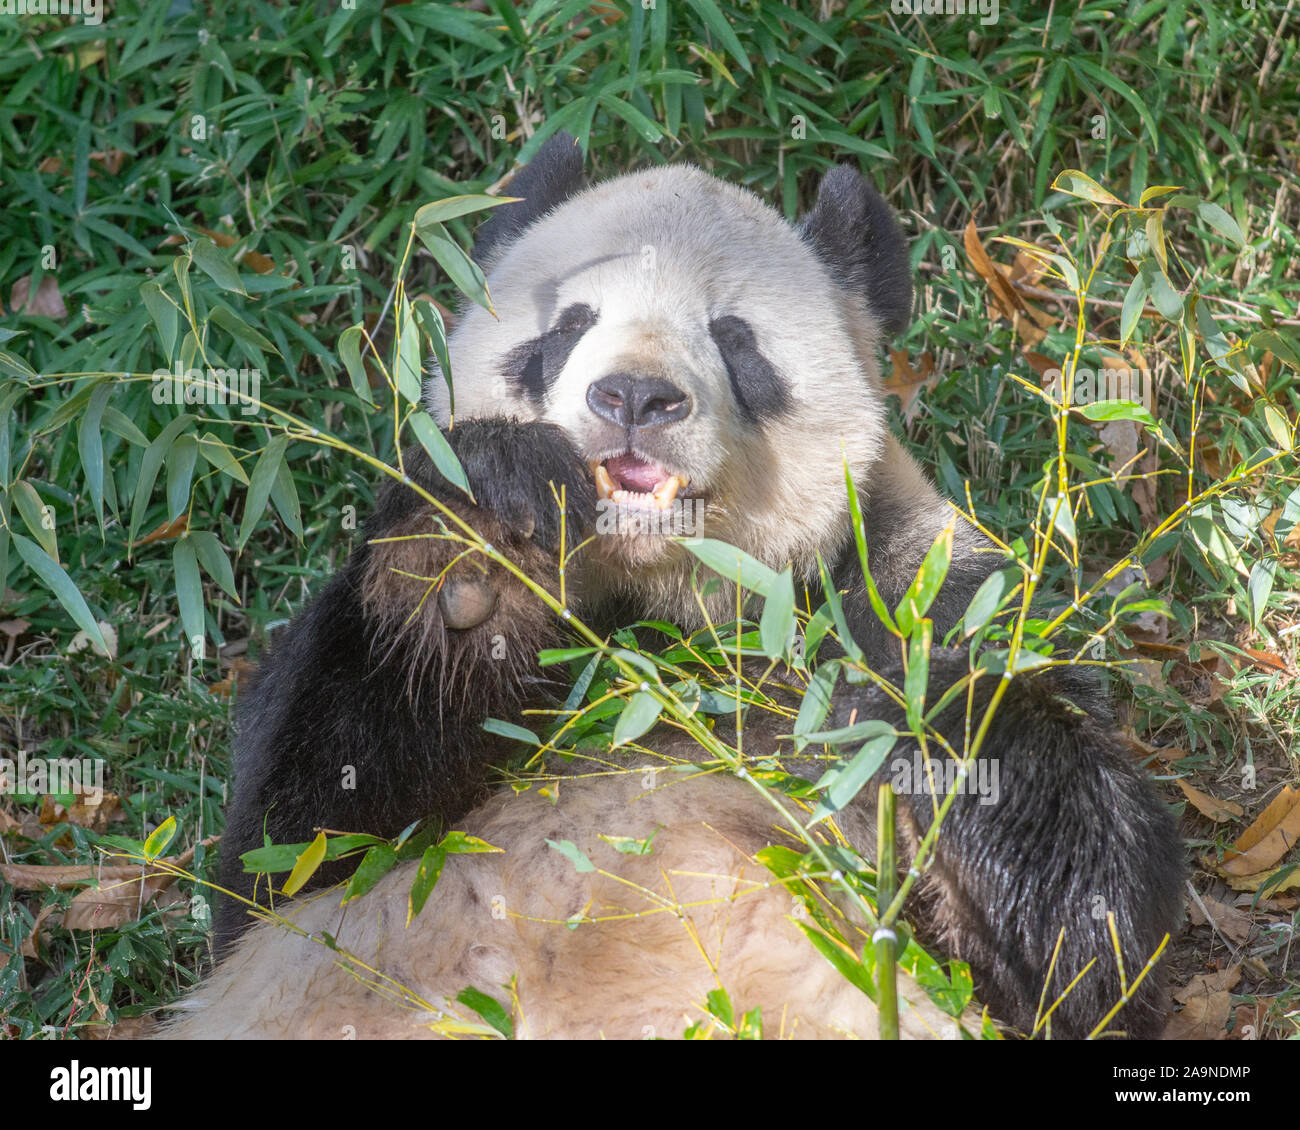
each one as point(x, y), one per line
point(367, 714)
point(1054, 830)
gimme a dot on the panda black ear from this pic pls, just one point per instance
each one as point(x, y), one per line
point(856, 234)
point(551, 177)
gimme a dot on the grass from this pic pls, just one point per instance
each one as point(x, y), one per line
point(289, 146)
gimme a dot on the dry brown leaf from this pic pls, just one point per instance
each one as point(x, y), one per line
point(1254, 882)
point(1266, 660)
point(239, 669)
point(131, 1028)
point(1145, 673)
point(166, 531)
point(47, 301)
point(110, 159)
point(1042, 366)
point(1171, 753)
point(1120, 438)
point(1232, 922)
point(906, 382)
point(1143, 492)
point(116, 901)
point(1293, 534)
point(1273, 833)
point(1207, 1002)
point(32, 943)
point(1248, 1021)
point(1210, 806)
point(1026, 269)
point(34, 876)
point(1030, 322)
point(97, 817)
point(254, 260)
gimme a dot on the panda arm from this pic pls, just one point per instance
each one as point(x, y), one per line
point(366, 715)
point(903, 514)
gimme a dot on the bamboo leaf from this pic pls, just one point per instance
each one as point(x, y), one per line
point(259, 487)
point(59, 583)
point(313, 855)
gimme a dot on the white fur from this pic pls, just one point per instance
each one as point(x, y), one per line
point(659, 254)
point(709, 916)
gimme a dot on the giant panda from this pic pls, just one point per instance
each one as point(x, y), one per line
point(662, 341)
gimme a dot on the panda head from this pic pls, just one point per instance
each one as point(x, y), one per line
point(707, 359)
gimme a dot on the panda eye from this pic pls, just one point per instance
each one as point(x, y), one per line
point(575, 319)
point(533, 365)
point(759, 389)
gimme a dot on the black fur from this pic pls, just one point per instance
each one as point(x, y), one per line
point(759, 389)
point(1077, 831)
point(855, 233)
point(898, 540)
point(336, 689)
point(510, 467)
point(534, 365)
point(551, 177)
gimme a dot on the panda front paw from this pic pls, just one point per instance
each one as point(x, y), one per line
point(443, 612)
point(517, 473)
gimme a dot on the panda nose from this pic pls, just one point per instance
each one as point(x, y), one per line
point(637, 402)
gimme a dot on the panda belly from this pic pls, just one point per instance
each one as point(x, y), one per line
point(660, 932)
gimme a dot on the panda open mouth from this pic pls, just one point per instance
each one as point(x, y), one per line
point(632, 480)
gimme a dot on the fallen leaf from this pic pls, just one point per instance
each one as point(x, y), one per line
point(1233, 923)
point(1120, 438)
point(1266, 659)
point(1145, 673)
point(34, 876)
point(239, 669)
point(1268, 839)
point(46, 302)
point(1256, 881)
point(1210, 806)
point(1248, 1020)
point(110, 159)
point(1030, 322)
point(81, 641)
point(130, 1028)
point(167, 530)
point(117, 901)
point(254, 260)
point(1207, 1002)
point(906, 383)
point(96, 817)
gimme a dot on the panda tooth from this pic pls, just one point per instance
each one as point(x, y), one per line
point(666, 491)
point(604, 484)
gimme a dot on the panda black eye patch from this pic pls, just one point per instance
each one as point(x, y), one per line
point(758, 388)
point(533, 365)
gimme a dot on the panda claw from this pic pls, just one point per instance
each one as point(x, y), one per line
point(466, 604)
